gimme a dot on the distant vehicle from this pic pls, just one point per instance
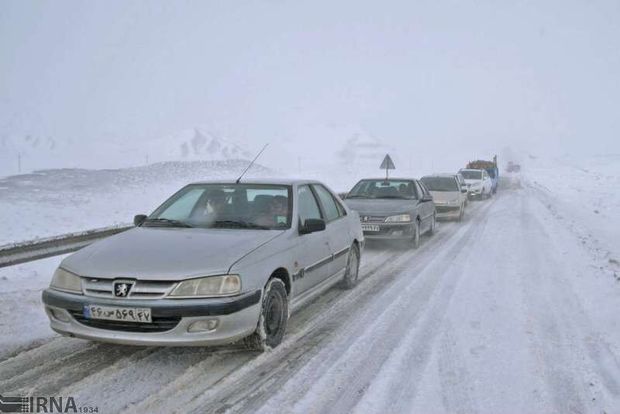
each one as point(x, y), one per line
point(448, 195)
point(461, 180)
point(490, 167)
point(513, 167)
point(479, 184)
point(394, 208)
point(215, 263)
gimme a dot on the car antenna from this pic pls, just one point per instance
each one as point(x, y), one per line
point(251, 163)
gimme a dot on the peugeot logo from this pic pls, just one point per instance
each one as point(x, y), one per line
point(365, 218)
point(121, 289)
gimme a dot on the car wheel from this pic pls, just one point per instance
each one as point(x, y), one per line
point(461, 213)
point(416, 235)
point(353, 268)
point(431, 230)
point(273, 318)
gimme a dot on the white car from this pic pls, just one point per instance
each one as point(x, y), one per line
point(479, 183)
point(449, 197)
point(215, 263)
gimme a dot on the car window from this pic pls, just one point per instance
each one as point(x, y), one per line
point(236, 206)
point(183, 206)
point(419, 190)
point(435, 183)
point(330, 206)
point(307, 204)
point(381, 188)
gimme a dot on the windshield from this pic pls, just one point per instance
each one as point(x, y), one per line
point(471, 174)
point(440, 183)
point(404, 189)
point(245, 206)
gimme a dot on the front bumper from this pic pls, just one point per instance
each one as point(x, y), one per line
point(448, 211)
point(390, 231)
point(236, 317)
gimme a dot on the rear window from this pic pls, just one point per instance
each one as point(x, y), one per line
point(440, 183)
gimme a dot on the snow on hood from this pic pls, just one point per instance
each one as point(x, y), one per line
point(151, 253)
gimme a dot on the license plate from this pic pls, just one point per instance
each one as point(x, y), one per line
point(113, 313)
point(370, 227)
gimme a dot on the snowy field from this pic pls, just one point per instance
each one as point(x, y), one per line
point(514, 310)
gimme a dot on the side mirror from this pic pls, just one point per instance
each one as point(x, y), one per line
point(463, 190)
point(139, 219)
point(311, 226)
point(426, 198)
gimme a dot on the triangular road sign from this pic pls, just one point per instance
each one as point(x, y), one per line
point(387, 163)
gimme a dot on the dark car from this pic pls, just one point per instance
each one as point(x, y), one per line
point(395, 208)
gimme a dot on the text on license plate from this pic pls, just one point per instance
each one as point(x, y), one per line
point(113, 313)
point(370, 227)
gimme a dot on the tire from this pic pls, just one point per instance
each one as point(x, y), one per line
point(351, 275)
point(273, 318)
point(431, 230)
point(461, 214)
point(415, 241)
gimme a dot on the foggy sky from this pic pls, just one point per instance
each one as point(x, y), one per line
point(421, 75)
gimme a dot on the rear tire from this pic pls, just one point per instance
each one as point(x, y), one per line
point(351, 274)
point(273, 318)
point(461, 213)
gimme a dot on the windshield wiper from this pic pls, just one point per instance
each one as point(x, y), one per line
point(167, 222)
point(239, 223)
point(398, 197)
point(358, 196)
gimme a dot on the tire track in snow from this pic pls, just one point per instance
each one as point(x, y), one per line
point(566, 341)
point(319, 361)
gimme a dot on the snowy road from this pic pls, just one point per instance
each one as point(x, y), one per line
point(499, 313)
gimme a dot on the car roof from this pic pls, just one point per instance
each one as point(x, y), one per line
point(471, 169)
point(449, 175)
point(389, 179)
point(274, 181)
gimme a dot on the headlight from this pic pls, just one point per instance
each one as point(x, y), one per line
point(225, 285)
point(398, 219)
point(66, 281)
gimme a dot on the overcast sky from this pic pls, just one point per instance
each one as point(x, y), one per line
point(420, 75)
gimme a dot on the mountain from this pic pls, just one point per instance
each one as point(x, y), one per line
point(27, 153)
point(193, 145)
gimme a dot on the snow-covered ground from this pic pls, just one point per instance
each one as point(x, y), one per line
point(514, 310)
point(52, 202)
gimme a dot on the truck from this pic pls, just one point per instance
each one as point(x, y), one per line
point(490, 167)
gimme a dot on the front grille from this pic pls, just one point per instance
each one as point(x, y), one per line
point(141, 289)
point(372, 219)
point(159, 324)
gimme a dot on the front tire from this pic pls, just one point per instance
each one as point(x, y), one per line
point(273, 318)
point(416, 235)
point(431, 230)
point(353, 268)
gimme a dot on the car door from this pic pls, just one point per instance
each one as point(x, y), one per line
point(486, 182)
point(338, 232)
point(314, 254)
point(427, 208)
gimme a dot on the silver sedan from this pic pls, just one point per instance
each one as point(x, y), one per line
point(215, 263)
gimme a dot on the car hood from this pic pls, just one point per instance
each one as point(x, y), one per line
point(380, 207)
point(151, 253)
point(444, 196)
point(470, 182)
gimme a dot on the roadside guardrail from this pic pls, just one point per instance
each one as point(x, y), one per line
point(16, 253)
